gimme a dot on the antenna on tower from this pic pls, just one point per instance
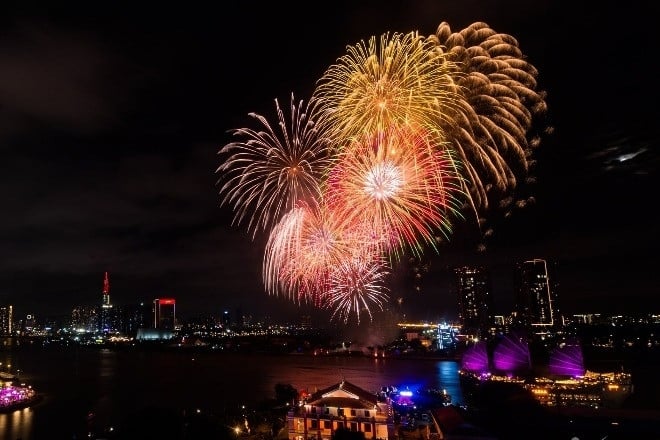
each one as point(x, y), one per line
point(106, 284)
point(106, 291)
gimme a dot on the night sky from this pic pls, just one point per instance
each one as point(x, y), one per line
point(111, 121)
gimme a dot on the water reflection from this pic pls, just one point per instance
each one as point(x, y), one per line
point(448, 378)
point(113, 385)
point(16, 424)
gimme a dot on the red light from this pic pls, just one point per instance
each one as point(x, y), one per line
point(167, 301)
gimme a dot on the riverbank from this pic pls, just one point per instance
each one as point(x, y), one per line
point(13, 400)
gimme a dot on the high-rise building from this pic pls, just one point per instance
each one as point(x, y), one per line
point(106, 320)
point(30, 324)
point(474, 300)
point(6, 320)
point(85, 318)
point(106, 290)
point(164, 313)
point(134, 317)
point(535, 295)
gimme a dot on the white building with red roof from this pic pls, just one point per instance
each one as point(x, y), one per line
point(343, 407)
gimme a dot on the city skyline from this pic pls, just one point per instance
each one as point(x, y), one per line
point(112, 123)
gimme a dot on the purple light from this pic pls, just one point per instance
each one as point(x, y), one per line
point(511, 355)
point(475, 358)
point(406, 393)
point(10, 395)
point(567, 360)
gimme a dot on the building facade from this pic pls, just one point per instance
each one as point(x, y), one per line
point(343, 406)
point(6, 320)
point(106, 313)
point(535, 295)
point(473, 287)
point(164, 314)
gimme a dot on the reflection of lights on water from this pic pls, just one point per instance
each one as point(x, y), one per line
point(17, 424)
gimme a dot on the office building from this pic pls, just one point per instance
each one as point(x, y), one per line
point(474, 300)
point(6, 320)
point(535, 295)
point(106, 318)
point(164, 313)
point(85, 319)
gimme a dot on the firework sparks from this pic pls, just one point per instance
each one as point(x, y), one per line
point(404, 131)
point(387, 83)
point(499, 106)
point(301, 251)
point(356, 285)
point(393, 183)
point(269, 170)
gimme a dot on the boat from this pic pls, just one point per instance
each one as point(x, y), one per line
point(565, 382)
point(409, 396)
point(15, 395)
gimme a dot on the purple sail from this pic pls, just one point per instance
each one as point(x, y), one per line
point(475, 358)
point(567, 360)
point(511, 355)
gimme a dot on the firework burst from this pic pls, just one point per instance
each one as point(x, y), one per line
point(499, 107)
point(384, 83)
point(301, 251)
point(357, 284)
point(397, 187)
point(272, 168)
point(401, 134)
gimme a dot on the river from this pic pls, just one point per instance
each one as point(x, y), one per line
point(113, 384)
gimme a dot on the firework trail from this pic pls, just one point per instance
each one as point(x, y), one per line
point(269, 169)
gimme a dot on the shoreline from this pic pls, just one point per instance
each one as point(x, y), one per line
point(22, 404)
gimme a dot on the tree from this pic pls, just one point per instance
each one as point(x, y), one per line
point(285, 393)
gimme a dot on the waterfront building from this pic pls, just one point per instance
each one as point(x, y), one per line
point(473, 287)
point(563, 382)
point(106, 315)
point(134, 317)
point(30, 324)
point(164, 314)
point(84, 319)
point(535, 300)
point(342, 406)
point(6, 320)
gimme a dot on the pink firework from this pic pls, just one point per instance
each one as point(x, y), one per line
point(357, 284)
point(302, 250)
point(403, 189)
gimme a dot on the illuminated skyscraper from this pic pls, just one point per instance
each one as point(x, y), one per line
point(30, 324)
point(164, 313)
point(535, 295)
point(106, 307)
point(6, 320)
point(474, 300)
point(85, 318)
point(106, 290)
